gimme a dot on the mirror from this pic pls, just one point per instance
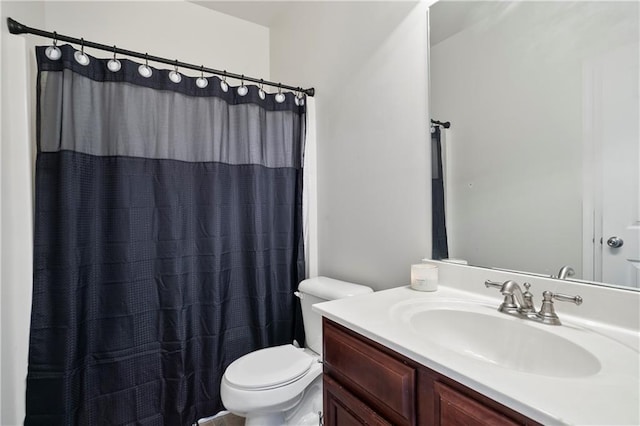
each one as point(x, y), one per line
point(541, 161)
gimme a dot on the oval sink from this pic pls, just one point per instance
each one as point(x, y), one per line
point(504, 341)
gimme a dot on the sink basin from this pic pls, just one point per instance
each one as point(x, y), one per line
point(481, 333)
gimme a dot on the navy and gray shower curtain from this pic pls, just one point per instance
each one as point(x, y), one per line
point(168, 241)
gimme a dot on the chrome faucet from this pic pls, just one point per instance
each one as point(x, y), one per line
point(565, 271)
point(521, 305)
point(515, 301)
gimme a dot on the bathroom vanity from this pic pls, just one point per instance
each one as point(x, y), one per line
point(367, 383)
point(448, 357)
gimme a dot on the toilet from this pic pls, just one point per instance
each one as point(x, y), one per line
point(282, 385)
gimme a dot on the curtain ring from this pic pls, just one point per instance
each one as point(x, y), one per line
point(280, 96)
point(223, 82)
point(114, 65)
point(145, 70)
point(80, 56)
point(202, 82)
point(53, 52)
point(175, 75)
point(242, 90)
point(299, 97)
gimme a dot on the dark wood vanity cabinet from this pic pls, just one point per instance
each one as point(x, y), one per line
point(367, 383)
point(342, 408)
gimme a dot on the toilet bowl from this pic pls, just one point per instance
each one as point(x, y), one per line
point(265, 385)
point(282, 385)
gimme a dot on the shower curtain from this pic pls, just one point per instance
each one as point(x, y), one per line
point(168, 241)
point(440, 248)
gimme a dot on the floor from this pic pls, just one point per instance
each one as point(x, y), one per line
point(226, 420)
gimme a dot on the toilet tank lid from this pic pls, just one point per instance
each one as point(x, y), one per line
point(330, 289)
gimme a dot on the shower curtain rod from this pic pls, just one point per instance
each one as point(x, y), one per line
point(16, 27)
point(445, 124)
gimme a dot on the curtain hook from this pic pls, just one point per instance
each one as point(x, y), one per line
point(174, 75)
point(261, 91)
point(299, 98)
point(145, 70)
point(114, 65)
point(223, 82)
point(280, 96)
point(242, 90)
point(80, 56)
point(53, 52)
point(202, 82)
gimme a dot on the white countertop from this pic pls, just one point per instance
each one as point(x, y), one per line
point(609, 397)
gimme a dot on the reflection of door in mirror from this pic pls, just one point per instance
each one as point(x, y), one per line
point(611, 97)
point(542, 155)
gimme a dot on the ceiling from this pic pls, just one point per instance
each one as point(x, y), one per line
point(265, 12)
point(449, 17)
point(452, 15)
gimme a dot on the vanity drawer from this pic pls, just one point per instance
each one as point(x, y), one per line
point(375, 377)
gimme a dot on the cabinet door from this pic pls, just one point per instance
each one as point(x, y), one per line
point(341, 408)
point(379, 379)
point(457, 409)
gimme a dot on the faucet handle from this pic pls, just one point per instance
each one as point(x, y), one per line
point(494, 284)
point(547, 313)
point(564, 298)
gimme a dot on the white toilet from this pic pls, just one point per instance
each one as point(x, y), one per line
point(282, 385)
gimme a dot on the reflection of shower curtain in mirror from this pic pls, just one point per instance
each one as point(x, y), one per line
point(168, 241)
point(439, 229)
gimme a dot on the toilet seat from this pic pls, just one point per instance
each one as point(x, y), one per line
point(269, 368)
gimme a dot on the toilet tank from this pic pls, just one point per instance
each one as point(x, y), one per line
point(317, 290)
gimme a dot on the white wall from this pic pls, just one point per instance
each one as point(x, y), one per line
point(511, 87)
point(179, 30)
point(368, 62)
point(16, 152)
point(173, 29)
